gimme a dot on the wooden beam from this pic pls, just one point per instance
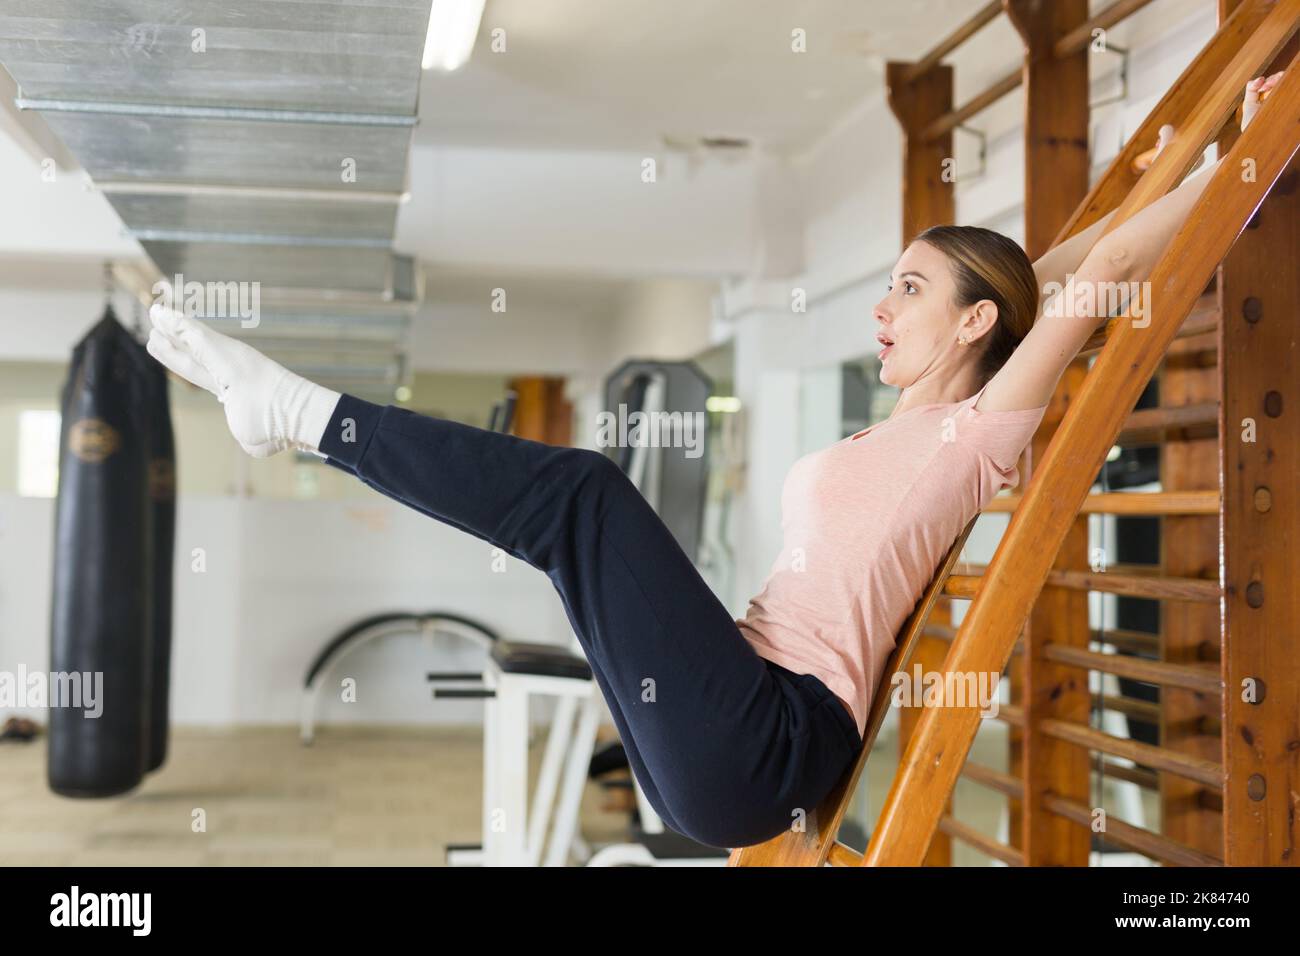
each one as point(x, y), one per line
point(1260, 380)
point(1189, 546)
point(928, 165)
point(1056, 117)
point(542, 413)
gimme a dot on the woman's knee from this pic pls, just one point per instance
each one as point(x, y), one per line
point(585, 463)
point(589, 471)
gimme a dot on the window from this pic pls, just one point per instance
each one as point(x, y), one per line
point(38, 453)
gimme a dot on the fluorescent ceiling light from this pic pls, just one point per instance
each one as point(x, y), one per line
point(453, 27)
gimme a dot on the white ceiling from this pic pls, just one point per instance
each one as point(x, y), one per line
point(516, 174)
point(622, 74)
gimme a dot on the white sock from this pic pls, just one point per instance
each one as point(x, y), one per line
point(268, 408)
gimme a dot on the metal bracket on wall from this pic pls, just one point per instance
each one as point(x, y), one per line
point(1123, 76)
point(983, 138)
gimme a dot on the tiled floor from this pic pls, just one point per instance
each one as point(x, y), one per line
point(358, 796)
point(381, 796)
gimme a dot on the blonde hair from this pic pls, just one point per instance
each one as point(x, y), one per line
point(988, 265)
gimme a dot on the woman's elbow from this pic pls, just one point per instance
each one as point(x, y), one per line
point(1115, 260)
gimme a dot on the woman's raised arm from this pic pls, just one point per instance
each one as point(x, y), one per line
point(1074, 310)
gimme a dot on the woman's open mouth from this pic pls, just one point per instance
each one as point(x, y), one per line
point(886, 345)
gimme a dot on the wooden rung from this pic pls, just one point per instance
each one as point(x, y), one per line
point(1079, 38)
point(954, 118)
point(985, 844)
point(1012, 714)
point(1136, 570)
point(1184, 765)
point(1145, 710)
point(1179, 422)
point(1203, 317)
point(942, 632)
point(1137, 709)
point(1157, 587)
point(1117, 637)
point(1128, 837)
point(1131, 503)
point(1126, 640)
point(1202, 678)
point(962, 585)
point(1203, 348)
point(841, 855)
point(994, 779)
point(1147, 779)
point(977, 22)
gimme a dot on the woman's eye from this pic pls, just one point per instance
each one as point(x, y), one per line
point(908, 288)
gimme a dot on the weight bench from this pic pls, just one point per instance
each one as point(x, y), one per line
point(516, 672)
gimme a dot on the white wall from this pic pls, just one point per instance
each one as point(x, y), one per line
point(665, 319)
point(522, 340)
point(282, 578)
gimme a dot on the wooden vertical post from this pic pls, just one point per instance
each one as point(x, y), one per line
point(1189, 547)
point(1056, 182)
point(1259, 429)
point(928, 200)
point(1056, 117)
point(1261, 512)
point(541, 411)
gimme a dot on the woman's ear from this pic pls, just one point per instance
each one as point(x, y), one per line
point(978, 320)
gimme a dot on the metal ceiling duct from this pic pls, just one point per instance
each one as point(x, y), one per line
point(248, 141)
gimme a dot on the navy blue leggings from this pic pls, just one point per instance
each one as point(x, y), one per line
point(730, 749)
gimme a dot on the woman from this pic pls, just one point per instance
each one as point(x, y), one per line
point(737, 729)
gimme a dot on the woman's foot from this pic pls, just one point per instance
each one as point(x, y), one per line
point(268, 408)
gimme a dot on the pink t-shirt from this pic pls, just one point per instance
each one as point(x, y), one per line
point(866, 523)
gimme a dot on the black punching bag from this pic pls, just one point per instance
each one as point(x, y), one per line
point(102, 596)
point(162, 498)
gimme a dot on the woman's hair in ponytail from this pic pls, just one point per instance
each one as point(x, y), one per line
point(988, 265)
